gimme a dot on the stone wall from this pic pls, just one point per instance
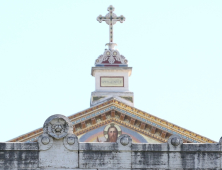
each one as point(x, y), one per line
point(19, 156)
point(58, 149)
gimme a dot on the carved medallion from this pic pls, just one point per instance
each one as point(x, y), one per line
point(57, 126)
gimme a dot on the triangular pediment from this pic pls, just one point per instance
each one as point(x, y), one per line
point(99, 133)
point(134, 121)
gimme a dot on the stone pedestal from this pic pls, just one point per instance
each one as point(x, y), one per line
point(58, 145)
point(112, 82)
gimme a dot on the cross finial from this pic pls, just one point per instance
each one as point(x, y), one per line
point(111, 19)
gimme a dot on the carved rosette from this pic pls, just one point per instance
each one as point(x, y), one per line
point(57, 126)
point(111, 57)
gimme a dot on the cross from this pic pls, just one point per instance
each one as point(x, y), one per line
point(111, 19)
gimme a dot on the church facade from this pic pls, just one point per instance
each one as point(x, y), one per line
point(111, 133)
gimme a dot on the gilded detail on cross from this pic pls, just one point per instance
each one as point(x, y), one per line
point(111, 18)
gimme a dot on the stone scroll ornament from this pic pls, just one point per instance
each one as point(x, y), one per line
point(57, 127)
point(111, 56)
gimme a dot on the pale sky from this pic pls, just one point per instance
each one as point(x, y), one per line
point(47, 49)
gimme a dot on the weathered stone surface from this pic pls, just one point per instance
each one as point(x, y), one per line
point(112, 169)
point(176, 160)
point(71, 142)
point(149, 159)
point(19, 156)
point(200, 147)
point(61, 169)
point(176, 155)
point(57, 126)
point(106, 155)
point(107, 146)
point(45, 142)
point(58, 156)
point(58, 145)
point(150, 147)
point(18, 146)
point(104, 159)
point(109, 155)
point(62, 151)
point(23, 159)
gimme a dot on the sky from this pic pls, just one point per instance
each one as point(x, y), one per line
point(47, 49)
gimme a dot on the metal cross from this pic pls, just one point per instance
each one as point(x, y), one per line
point(111, 19)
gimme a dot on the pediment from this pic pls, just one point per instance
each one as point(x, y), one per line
point(139, 123)
point(100, 133)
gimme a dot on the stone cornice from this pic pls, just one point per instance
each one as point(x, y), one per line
point(149, 119)
point(132, 112)
point(128, 125)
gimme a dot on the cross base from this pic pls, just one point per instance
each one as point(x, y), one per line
point(111, 45)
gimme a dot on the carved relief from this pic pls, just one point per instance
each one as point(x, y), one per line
point(71, 142)
point(57, 126)
point(187, 135)
point(111, 57)
point(58, 145)
point(124, 141)
point(45, 142)
point(175, 140)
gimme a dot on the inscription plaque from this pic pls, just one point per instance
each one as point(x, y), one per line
point(111, 82)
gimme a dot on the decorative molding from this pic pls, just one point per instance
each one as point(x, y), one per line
point(153, 130)
point(122, 116)
point(93, 120)
point(113, 113)
point(83, 124)
point(103, 116)
point(163, 134)
point(132, 121)
point(111, 57)
point(142, 126)
point(117, 106)
point(116, 120)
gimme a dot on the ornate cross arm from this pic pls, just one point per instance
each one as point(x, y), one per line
point(111, 19)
